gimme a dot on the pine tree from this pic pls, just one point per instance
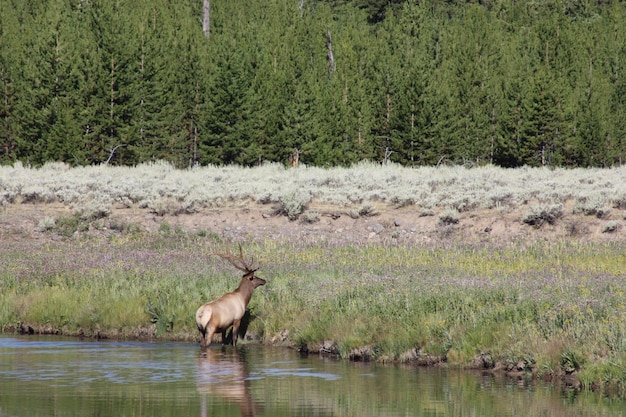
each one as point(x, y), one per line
point(543, 120)
point(12, 146)
point(122, 82)
point(109, 109)
point(222, 142)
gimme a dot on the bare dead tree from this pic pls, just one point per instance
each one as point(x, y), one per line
point(386, 149)
point(206, 17)
point(112, 152)
point(301, 7)
point(332, 67)
point(294, 158)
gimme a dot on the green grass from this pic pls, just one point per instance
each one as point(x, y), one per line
point(555, 308)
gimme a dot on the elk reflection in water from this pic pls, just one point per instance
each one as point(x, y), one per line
point(223, 373)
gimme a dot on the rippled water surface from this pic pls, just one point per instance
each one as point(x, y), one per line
point(46, 376)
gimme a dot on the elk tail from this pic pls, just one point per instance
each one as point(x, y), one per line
point(203, 316)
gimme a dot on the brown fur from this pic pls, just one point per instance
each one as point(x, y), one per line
point(228, 310)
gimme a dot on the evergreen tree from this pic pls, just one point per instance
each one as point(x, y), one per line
point(67, 70)
point(109, 108)
point(510, 83)
point(544, 122)
point(11, 55)
point(225, 138)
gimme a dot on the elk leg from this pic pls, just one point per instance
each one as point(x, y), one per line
point(236, 332)
point(208, 337)
point(202, 335)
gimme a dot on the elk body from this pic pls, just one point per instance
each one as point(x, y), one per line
point(228, 310)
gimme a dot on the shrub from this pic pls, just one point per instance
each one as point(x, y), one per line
point(68, 225)
point(611, 227)
point(46, 224)
point(619, 200)
point(576, 228)
point(293, 203)
point(166, 190)
point(465, 203)
point(449, 217)
point(125, 227)
point(425, 212)
point(368, 211)
point(538, 215)
point(592, 207)
point(311, 217)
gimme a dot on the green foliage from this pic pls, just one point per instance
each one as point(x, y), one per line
point(68, 225)
point(160, 314)
point(311, 216)
point(417, 83)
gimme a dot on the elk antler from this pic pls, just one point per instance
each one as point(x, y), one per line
point(238, 261)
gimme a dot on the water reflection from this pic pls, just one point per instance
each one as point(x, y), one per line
point(53, 376)
point(223, 372)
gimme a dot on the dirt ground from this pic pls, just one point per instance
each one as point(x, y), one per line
point(331, 225)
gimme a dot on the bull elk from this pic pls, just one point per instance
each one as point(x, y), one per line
point(228, 310)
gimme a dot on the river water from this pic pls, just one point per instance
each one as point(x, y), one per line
point(51, 376)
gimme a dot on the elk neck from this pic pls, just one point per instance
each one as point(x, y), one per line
point(245, 288)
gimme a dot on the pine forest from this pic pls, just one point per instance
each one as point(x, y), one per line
point(323, 83)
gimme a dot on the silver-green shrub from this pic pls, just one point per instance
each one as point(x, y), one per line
point(159, 185)
point(540, 214)
point(293, 203)
point(448, 217)
point(611, 226)
point(46, 224)
point(312, 216)
point(595, 205)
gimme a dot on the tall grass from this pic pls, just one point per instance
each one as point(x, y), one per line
point(549, 309)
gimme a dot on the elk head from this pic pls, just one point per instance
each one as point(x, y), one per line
point(249, 279)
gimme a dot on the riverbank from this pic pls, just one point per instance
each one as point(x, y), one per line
point(487, 292)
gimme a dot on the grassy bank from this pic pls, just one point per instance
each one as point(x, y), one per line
point(550, 309)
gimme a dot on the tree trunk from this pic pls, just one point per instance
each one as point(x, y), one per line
point(331, 59)
point(206, 17)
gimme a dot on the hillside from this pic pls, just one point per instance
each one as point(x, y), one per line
point(335, 225)
point(364, 203)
